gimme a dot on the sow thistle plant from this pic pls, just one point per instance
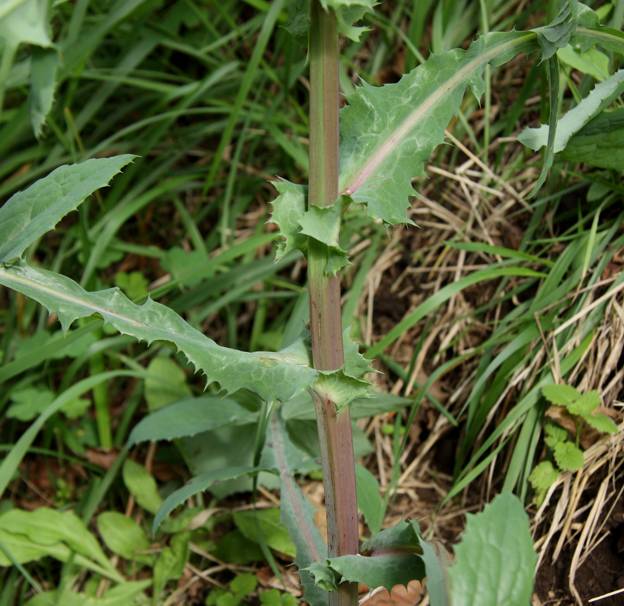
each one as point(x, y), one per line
point(366, 154)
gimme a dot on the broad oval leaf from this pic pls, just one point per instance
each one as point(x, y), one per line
point(388, 132)
point(189, 417)
point(495, 561)
point(273, 376)
point(29, 214)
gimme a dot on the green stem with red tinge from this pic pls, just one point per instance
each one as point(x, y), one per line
point(325, 320)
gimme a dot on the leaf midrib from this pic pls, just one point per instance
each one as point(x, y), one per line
point(387, 146)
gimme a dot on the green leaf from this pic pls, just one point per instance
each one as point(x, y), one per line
point(495, 561)
point(189, 417)
point(43, 70)
point(600, 143)
point(134, 284)
point(349, 12)
point(389, 132)
point(30, 535)
point(356, 365)
point(171, 561)
point(437, 562)
point(31, 213)
point(602, 423)
point(24, 22)
point(543, 476)
point(141, 486)
point(271, 375)
point(586, 404)
point(76, 408)
point(244, 583)
point(404, 536)
point(322, 224)
point(573, 121)
point(195, 486)
point(591, 62)
point(264, 526)
point(552, 70)
point(297, 513)
point(554, 435)
point(185, 266)
point(340, 388)
point(288, 209)
point(234, 548)
point(569, 457)
point(560, 395)
point(123, 536)
point(129, 593)
point(166, 383)
point(296, 225)
point(29, 402)
point(374, 571)
point(369, 499)
point(557, 34)
point(301, 407)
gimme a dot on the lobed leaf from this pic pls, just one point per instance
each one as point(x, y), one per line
point(297, 225)
point(385, 570)
point(569, 457)
point(29, 214)
point(271, 375)
point(404, 536)
point(388, 132)
point(349, 12)
point(495, 561)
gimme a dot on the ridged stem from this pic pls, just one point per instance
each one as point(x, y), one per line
point(325, 319)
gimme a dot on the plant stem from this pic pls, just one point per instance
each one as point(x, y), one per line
point(325, 322)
